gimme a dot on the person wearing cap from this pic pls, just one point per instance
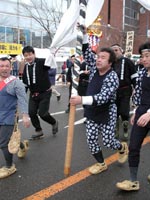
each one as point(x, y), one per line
point(126, 72)
point(140, 119)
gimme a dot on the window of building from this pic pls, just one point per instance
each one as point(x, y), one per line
point(2, 34)
point(131, 13)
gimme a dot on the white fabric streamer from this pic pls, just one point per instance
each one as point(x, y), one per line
point(66, 31)
point(145, 3)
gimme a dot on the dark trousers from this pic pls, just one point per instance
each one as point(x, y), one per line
point(136, 139)
point(70, 89)
point(123, 107)
point(5, 134)
point(39, 105)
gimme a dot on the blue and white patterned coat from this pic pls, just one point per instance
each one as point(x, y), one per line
point(138, 88)
point(106, 94)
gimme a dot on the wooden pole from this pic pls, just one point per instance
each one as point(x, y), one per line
point(69, 140)
point(75, 74)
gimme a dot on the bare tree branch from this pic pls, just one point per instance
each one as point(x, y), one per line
point(46, 15)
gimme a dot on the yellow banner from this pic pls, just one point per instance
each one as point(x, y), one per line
point(10, 48)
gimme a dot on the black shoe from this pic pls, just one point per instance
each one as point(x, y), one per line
point(58, 98)
point(85, 121)
point(125, 125)
point(38, 135)
point(67, 111)
point(116, 134)
point(55, 128)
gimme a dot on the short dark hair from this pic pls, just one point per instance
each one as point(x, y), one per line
point(112, 57)
point(28, 49)
point(144, 47)
point(5, 58)
point(13, 55)
point(73, 56)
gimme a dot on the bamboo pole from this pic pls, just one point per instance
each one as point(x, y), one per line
point(69, 141)
point(75, 74)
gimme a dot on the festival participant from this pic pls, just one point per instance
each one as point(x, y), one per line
point(52, 77)
point(63, 73)
point(35, 77)
point(139, 65)
point(69, 79)
point(83, 78)
point(15, 65)
point(126, 72)
point(100, 107)
point(140, 119)
point(12, 94)
point(83, 81)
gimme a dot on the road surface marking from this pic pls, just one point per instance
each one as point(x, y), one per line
point(80, 121)
point(58, 113)
point(71, 180)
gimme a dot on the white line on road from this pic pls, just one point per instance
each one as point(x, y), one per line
point(81, 121)
point(62, 112)
point(57, 113)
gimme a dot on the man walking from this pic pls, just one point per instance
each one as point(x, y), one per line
point(126, 72)
point(35, 77)
point(100, 107)
point(140, 120)
point(12, 94)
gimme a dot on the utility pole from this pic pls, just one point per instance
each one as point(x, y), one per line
point(18, 21)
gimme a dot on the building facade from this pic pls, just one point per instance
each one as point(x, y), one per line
point(118, 17)
point(17, 26)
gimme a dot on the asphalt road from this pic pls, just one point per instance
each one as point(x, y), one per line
point(41, 174)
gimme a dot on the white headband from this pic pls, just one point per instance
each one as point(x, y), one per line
point(116, 46)
point(145, 50)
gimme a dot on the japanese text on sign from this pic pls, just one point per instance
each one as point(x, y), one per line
point(10, 48)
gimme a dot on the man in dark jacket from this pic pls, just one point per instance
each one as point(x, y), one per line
point(126, 72)
point(140, 120)
point(69, 79)
point(35, 77)
point(100, 107)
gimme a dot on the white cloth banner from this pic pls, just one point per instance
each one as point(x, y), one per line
point(50, 61)
point(145, 3)
point(66, 31)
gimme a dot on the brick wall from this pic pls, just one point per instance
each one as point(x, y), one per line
point(115, 33)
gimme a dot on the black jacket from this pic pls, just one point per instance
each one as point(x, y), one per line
point(42, 82)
